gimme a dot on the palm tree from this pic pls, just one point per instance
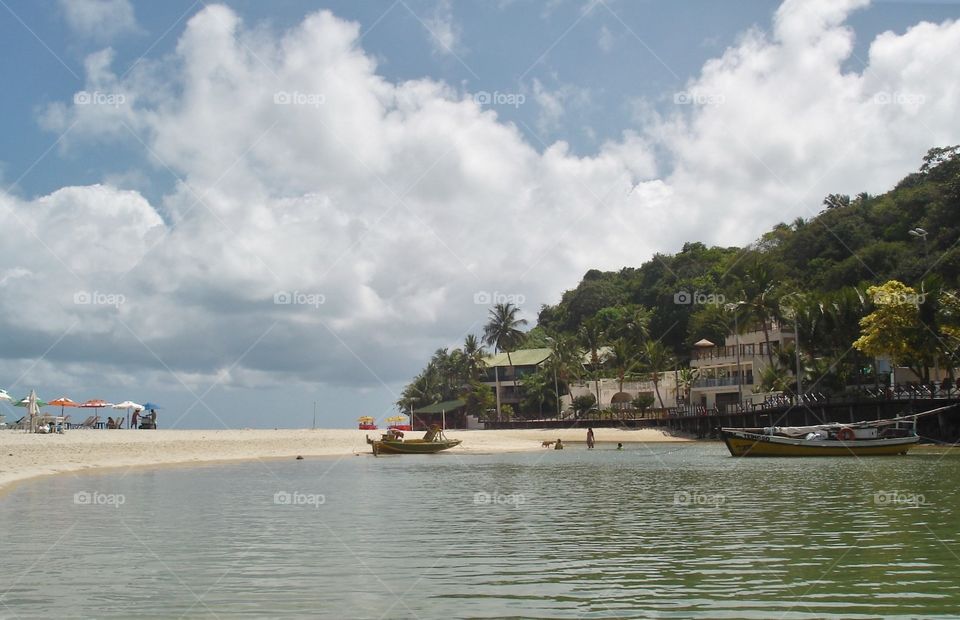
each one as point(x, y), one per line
point(502, 332)
point(624, 360)
point(658, 359)
point(473, 355)
point(758, 299)
point(592, 336)
point(565, 361)
point(686, 377)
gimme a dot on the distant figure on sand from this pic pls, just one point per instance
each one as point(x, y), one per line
point(135, 418)
point(558, 445)
point(590, 441)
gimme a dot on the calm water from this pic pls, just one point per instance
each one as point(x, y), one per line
point(654, 530)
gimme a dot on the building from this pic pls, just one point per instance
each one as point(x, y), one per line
point(612, 397)
point(500, 372)
point(527, 361)
point(722, 380)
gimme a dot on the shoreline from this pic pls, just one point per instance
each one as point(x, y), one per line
point(25, 456)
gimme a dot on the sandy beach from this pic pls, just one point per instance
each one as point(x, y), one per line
point(24, 455)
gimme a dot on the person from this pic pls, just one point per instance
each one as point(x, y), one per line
point(558, 445)
point(619, 446)
point(135, 418)
point(111, 423)
point(590, 440)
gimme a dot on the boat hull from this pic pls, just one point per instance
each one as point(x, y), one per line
point(754, 444)
point(413, 446)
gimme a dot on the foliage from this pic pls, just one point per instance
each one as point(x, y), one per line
point(643, 402)
point(584, 403)
point(479, 399)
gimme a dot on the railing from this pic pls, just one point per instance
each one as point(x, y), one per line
point(705, 382)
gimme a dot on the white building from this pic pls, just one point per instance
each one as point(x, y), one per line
point(723, 380)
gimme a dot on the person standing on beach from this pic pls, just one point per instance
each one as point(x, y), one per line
point(590, 440)
point(135, 418)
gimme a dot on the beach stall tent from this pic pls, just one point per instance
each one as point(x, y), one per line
point(447, 414)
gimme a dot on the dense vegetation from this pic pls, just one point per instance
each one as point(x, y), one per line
point(816, 274)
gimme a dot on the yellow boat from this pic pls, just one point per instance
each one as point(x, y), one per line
point(879, 438)
point(392, 442)
point(743, 443)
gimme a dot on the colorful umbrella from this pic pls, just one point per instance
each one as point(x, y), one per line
point(95, 404)
point(150, 406)
point(62, 402)
point(25, 401)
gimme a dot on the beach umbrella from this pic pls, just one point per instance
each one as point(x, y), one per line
point(25, 401)
point(4, 395)
point(33, 409)
point(62, 402)
point(150, 406)
point(95, 404)
point(128, 405)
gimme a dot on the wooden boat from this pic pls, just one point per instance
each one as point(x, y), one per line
point(876, 438)
point(392, 442)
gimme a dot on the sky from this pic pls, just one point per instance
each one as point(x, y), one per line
point(251, 211)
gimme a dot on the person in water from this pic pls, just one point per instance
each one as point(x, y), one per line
point(590, 440)
point(619, 446)
point(558, 445)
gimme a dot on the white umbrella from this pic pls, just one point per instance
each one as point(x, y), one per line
point(128, 405)
point(33, 410)
point(4, 395)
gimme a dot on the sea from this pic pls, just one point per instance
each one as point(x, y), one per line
point(650, 531)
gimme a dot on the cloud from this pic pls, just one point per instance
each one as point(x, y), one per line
point(606, 40)
point(554, 104)
point(444, 30)
point(100, 20)
point(331, 226)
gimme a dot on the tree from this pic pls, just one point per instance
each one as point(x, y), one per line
point(686, 377)
point(538, 390)
point(642, 402)
point(623, 359)
point(473, 355)
point(479, 399)
point(759, 302)
point(592, 337)
point(891, 329)
point(583, 404)
point(502, 332)
point(658, 360)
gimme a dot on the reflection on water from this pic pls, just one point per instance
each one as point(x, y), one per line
point(654, 530)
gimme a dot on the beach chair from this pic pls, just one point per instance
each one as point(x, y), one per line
point(19, 424)
point(90, 422)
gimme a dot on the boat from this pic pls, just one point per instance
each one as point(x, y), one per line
point(366, 423)
point(874, 438)
point(392, 442)
point(399, 423)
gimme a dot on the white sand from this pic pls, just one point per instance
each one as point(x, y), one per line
point(25, 455)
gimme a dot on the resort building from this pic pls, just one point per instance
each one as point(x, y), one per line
point(723, 380)
point(612, 397)
point(527, 361)
point(499, 371)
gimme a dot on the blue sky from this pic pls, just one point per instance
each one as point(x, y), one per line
point(197, 199)
point(653, 49)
